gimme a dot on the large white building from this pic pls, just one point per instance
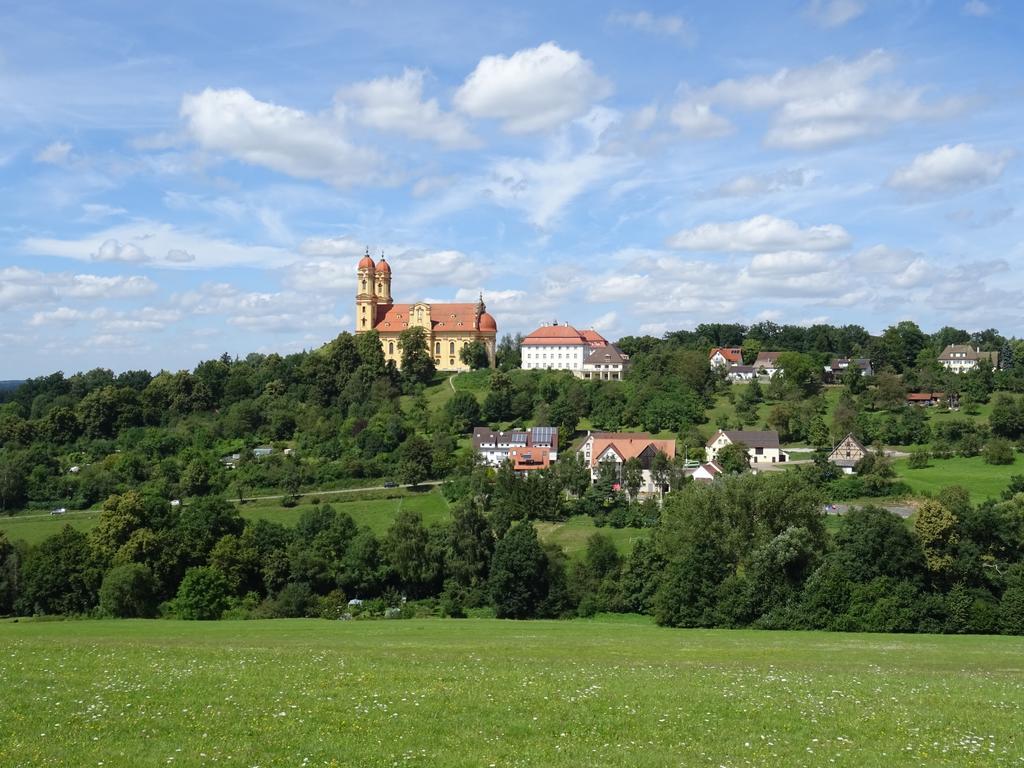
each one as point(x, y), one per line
point(530, 448)
point(560, 347)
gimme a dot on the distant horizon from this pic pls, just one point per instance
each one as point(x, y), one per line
point(176, 184)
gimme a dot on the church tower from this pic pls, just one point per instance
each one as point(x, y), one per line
point(366, 293)
point(383, 282)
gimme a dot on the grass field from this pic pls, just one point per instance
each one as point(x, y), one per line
point(983, 481)
point(572, 535)
point(490, 693)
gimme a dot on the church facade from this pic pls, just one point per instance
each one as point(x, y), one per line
point(448, 327)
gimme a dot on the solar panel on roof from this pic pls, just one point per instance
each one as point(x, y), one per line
point(543, 435)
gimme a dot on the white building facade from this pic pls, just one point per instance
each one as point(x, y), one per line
point(559, 347)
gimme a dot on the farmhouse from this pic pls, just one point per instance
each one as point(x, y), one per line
point(602, 448)
point(723, 357)
point(846, 455)
point(960, 358)
point(925, 399)
point(741, 373)
point(840, 365)
point(705, 473)
point(762, 447)
point(767, 363)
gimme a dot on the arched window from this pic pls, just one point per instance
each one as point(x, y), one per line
point(364, 284)
point(451, 348)
point(437, 347)
point(391, 347)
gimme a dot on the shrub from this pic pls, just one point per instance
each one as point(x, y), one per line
point(203, 594)
point(918, 460)
point(998, 451)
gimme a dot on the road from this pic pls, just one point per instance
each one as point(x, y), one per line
point(79, 512)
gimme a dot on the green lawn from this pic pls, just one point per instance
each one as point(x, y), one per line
point(983, 481)
point(34, 526)
point(572, 535)
point(480, 692)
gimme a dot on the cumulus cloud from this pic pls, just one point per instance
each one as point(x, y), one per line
point(645, 21)
point(331, 246)
point(112, 250)
point(56, 153)
point(534, 89)
point(283, 139)
point(950, 168)
point(698, 121)
point(25, 287)
point(277, 312)
point(834, 13)
point(831, 102)
point(764, 233)
point(788, 262)
point(179, 256)
point(397, 104)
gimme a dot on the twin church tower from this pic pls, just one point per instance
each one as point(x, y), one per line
point(447, 327)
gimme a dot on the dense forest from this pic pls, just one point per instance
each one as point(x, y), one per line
point(746, 551)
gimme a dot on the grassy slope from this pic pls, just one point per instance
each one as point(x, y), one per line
point(481, 693)
point(983, 481)
point(572, 535)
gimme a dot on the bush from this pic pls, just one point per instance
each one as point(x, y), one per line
point(203, 594)
point(918, 460)
point(998, 451)
point(128, 592)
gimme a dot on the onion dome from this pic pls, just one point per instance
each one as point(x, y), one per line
point(487, 322)
point(366, 262)
point(383, 266)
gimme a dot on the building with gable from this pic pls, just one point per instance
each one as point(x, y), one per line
point(560, 347)
point(616, 448)
point(960, 358)
point(530, 448)
point(846, 455)
point(448, 327)
point(762, 447)
point(723, 357)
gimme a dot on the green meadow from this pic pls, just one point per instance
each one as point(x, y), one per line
point(616, 692)
point(982, 481)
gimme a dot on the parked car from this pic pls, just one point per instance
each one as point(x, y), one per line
point(59, 511)
point(390, 484)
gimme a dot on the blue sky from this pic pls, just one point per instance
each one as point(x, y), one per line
point(183, 181)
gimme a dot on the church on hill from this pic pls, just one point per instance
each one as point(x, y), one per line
point(448, 327)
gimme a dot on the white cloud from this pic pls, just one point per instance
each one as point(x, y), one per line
point(834, 13)
point(25, 287)
point(272, 312)
point(950, 168)
point(977, 8)
point(882, 258)
point(179, 256)
point(762, 233)
point(97, 211)
point(831, 102)
point(283, 139)
point(125, 242)
point(788, 262)
point(396, 104)
point(112, 250)
point(753, 185)
point(56, 153)
point(65, 316)
point(697, 120)
point(644, 21)
point(101, 287)
point(331, 246)
point(533, 89)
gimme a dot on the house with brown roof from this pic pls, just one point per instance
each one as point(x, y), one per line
point(707, 472)
point(846, 455)
point(448, 327)
point(723, 357)
point(762, 447)
point(960, 358)
point(767, 363)
point(607, 363)
point(835, 370)
point(560, 347)
point(616, 448)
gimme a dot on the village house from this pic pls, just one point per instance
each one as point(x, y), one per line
point(527, 449)
point(846, 455)
point(723, 357)
point(960, 358)
point(925, 399)
point(767, 363)
point(704, 473)
point(607, 363)
point(602, 448)
point(762, 447)
point(835, 370)
point(741, 373)
point(560, 347)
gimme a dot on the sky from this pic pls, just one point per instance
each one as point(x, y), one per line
point(186, 180)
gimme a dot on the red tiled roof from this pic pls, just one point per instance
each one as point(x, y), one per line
point(554, 334)
point(731, 354)
point(524, 459)
point(443, 317)
point(629, 447)
point(594, 338)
